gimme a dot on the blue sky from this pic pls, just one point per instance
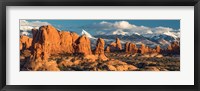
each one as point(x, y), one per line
point(96, 26)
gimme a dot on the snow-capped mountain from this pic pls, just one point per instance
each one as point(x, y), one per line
point(150, 39)
point(119, 32)
point(93, 40)
point(86, 33)
point(171, 34)
point(135, 38)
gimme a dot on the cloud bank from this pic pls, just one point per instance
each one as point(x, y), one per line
point(125, 28)
point(26, 26)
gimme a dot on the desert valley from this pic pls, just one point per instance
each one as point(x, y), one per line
point(50, 49)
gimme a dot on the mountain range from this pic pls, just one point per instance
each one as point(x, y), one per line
point(150, 39)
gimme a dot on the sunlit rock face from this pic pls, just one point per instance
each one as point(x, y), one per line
point(25, 42)
point(99, 50)
point(130, 48)
point(83, 45)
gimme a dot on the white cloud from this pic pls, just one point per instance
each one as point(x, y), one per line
point(124, 27)
point(25, 33)
point(161, 29)
point(27, 26)
point(119, 32)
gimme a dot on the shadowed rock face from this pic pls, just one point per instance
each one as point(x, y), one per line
point(127, 46)
point(118, 44)
point(83, 45)
point(25, 42)
point(174, 48)
point(113, 46)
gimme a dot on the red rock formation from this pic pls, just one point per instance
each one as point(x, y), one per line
point(152, 50)
point(75, 36)
point(169, 48)
point(25, 42)
point(83, 45)
point(118, 44)
point(48, 40)
point(143, 49)
point(146, 49)
point(47, 37)
point(34, 32)
point(115, 46)
point(99, 46)
point(99, 50)
point(107, 49)
point(174, 48)
point(157, 49)
point(67, 42)
point(127, 47)
point(131, 48)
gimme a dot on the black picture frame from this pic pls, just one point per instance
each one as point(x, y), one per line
point(4, 3)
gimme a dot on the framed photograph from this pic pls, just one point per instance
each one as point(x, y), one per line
point(99, 45)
